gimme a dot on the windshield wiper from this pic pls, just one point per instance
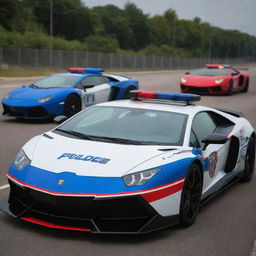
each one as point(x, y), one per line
point(120, 140)
point(103, 138)
point(76, 134)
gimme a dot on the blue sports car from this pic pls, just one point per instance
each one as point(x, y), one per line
point(66, 93)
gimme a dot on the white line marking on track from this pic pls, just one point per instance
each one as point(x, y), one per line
point(4, 186)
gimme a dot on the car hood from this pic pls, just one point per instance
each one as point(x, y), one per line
point(89, 158)
point(202, 80)
point(26, 92)
point(28, 95)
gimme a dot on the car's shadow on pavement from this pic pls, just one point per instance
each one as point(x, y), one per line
point(27, 121)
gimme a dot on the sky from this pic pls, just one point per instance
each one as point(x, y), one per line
point(227, 14)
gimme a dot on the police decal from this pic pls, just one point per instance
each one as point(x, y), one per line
point(87, 158)
point(213, 159)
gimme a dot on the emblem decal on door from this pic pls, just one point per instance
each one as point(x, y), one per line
point(89, 99)
point(213, 159)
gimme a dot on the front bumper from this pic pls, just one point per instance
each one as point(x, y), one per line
point(216, 89)
point(131, 214)
point(37, 112)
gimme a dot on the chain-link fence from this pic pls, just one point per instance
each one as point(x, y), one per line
point(45, 58)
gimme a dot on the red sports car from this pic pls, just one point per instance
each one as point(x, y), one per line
point(215, 79)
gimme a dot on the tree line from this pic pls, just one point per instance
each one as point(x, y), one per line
point(27, 24)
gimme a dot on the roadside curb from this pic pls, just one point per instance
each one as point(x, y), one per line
point(253, 252)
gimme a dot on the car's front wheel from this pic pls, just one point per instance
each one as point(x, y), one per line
point(246, 88)
point(72, 105)
point(191, 196)
point(249, 161)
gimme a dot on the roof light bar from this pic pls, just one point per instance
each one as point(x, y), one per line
point(86, 70)
point(214, 66)
point(164, 96)
point(217, 66)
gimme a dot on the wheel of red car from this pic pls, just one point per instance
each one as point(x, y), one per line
point(249, 161)
point(230, 88)
point(72, 105)
point(127, 92)
point(191, 196)
point(246, 88)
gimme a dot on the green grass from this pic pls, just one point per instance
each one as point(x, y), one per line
point(27, 72)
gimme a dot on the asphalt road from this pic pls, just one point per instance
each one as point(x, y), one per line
point(225, 226)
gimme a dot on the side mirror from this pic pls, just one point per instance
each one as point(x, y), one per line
point(187, 73)
point(60, 119)
point(214, 138)
point(87, 87)
point(234, 74)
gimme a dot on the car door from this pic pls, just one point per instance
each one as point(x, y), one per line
point(214, 155)
point(95, 89)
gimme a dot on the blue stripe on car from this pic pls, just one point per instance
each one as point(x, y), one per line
point(100, 185)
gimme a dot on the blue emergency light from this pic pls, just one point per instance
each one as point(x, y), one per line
point(86, 70)
point(184, 97)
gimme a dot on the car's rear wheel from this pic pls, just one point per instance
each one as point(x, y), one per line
point(191, 196)
point(72, 105)
point(127, 92)
point(230, 88)
point(249, 161)
point(246, 88)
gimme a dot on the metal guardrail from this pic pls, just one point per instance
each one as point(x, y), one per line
point(44, 58)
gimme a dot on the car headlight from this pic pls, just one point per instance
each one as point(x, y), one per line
point(219, 81)
point(21, 160)
point(183, 80)
point(140, 178)
point(44, 99)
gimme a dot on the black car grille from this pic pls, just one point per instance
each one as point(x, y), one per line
point(193, 89)
point(216, 88)
point(23, 111)
point(104, 215)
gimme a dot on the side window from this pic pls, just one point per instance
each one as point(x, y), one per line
point(106, 79)
point(202, 126)
point(93, 81)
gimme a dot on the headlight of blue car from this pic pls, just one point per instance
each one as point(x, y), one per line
point(21, 160)
point(140, 178)
point(44, 99)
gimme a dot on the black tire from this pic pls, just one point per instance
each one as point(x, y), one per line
point(249, 161)
point(230, 88)
point(246, 88)
point(127, 92)
point(72, 105)
point(191, 196)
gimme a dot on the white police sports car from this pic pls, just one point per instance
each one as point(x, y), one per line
point(130, 166)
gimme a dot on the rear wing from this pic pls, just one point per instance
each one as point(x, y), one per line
point(231, 112)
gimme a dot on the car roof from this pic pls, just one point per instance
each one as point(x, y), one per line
point(157, 105)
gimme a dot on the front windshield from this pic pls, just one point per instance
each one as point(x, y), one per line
point(57, 81)
point(209, 72)
point(137, 125)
